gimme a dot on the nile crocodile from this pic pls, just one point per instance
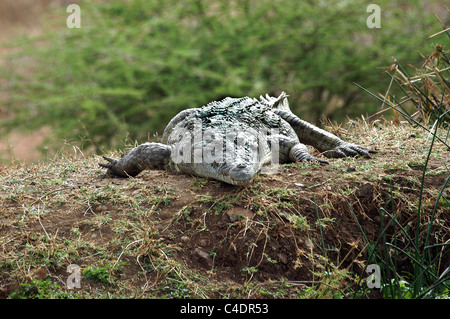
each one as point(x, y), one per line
point(231, 140)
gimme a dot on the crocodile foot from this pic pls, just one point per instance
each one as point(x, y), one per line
point(346, 149)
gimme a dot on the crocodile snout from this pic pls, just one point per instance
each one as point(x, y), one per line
point(242, 173)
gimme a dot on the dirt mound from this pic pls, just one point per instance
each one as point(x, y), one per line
point(307, 231)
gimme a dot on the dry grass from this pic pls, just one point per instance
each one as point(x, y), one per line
point(289, 235)
point(428, 89)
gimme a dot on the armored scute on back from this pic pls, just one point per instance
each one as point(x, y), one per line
point(232, 140)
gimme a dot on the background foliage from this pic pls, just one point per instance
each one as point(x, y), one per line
point(134, 64)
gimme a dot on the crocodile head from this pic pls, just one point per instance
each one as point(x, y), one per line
point(222, 146)
point(240, 173)
point(243, 157)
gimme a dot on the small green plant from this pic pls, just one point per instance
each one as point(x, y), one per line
point(272, 261)
point(39, 289)
point(98, 274)
point(176, 291)
point(249, 271)
point(299, 222)
point(199, 182)
point(185, 213)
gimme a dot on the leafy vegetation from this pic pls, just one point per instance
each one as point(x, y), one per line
point(134, 64)
point(40, 289)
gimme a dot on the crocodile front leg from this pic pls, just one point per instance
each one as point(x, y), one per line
point(144, 156)
point(330, 145)
point(299, 153)
point(290, 150)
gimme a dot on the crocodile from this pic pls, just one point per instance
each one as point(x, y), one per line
point(232, 140)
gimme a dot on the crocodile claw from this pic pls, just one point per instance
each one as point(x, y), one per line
point(348, 149)
point(113, 166)
point(310, 158)
point(109, 165)
point(109, 159)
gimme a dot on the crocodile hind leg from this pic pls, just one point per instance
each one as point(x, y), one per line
point(144, 156)
point(330, 145)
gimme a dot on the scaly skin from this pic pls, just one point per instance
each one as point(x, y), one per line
point(231, 140)
point(144, 156)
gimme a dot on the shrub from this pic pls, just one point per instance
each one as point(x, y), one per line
point(134, 64)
